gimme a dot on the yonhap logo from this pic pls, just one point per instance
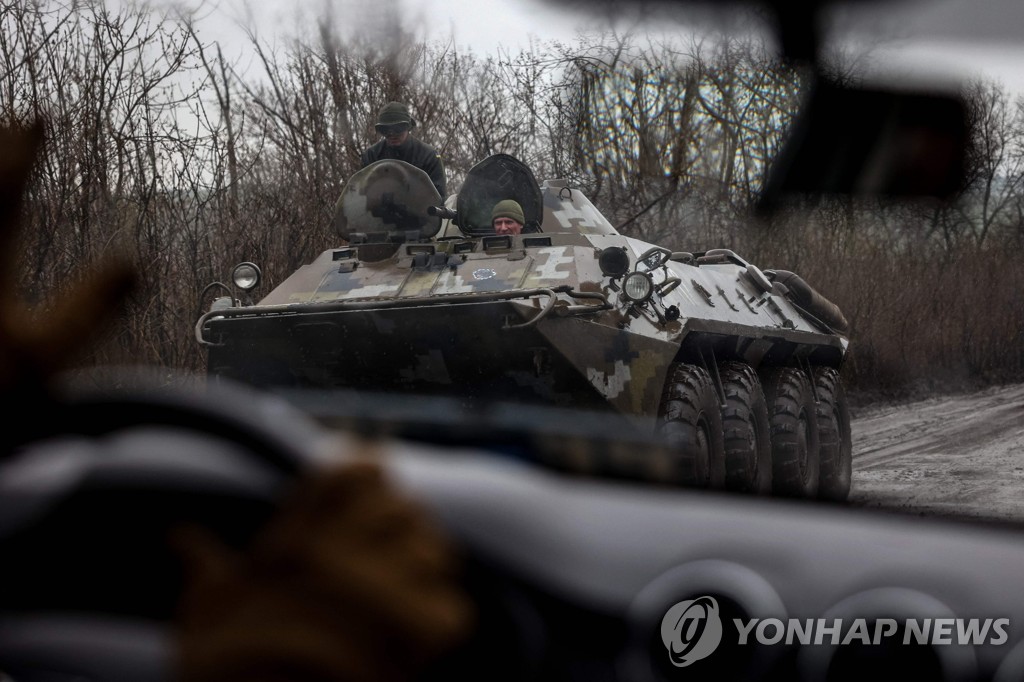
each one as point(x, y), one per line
point(691, 630)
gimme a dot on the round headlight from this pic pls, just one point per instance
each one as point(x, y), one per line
point(638, 287)
point(613, 261)
point(246, 276)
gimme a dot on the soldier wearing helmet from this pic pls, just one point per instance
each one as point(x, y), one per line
point(394, 124)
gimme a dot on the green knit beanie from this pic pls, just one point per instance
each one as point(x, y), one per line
point(508, 209)
point(393, 113)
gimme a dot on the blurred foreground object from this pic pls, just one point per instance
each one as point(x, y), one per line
point(347, 582)
point(290, 572)
point(875, 143)
point(34, 344)
point(161, 534)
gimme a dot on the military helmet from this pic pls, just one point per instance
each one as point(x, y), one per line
point(394, 113)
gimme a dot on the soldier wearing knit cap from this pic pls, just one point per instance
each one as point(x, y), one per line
point(507, 217)
point(394, 124)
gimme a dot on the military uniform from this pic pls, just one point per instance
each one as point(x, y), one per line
point(411, 151)
point(394, 119)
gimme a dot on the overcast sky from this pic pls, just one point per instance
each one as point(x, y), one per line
point(923, 38)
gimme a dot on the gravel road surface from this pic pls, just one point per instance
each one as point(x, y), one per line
point(959, 455)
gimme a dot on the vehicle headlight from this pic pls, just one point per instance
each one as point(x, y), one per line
point(246, 276)
point(638, 287)
point(613, 261)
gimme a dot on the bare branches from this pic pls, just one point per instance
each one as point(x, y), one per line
point(162, 148)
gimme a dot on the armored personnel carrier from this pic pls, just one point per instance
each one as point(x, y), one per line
point(734, 368)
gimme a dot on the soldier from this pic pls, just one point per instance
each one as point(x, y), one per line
point(394, 123)
point(507, 217)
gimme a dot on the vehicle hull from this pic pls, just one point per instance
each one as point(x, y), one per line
point(476, 351)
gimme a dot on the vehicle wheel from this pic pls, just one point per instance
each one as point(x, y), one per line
point(691, 422)
point(834, 434)
point(792, 418)
point(747, 438)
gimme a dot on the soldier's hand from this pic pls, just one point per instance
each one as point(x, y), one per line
point(349, 582)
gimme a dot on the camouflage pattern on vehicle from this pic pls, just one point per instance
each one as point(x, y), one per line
point(727, 362)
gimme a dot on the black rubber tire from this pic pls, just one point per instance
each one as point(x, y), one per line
point(834, 435)
point(690, 420)
point(747, 436)
point(793, 420)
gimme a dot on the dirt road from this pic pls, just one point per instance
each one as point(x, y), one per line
point(960, 455)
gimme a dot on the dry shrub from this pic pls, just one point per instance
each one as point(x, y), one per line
point(189, 166)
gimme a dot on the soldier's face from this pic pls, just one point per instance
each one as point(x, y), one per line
point(394, 135)
point(507, 226)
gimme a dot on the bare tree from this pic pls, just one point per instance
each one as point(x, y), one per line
point(995, 164)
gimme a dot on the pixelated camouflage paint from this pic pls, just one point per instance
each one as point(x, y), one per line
point(568, 210)
point(626, 369)
point(387, 196)
point(419, 350)
point(513, 318)
point(574, 264)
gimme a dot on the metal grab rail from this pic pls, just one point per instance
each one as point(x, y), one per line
point(379, 304)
